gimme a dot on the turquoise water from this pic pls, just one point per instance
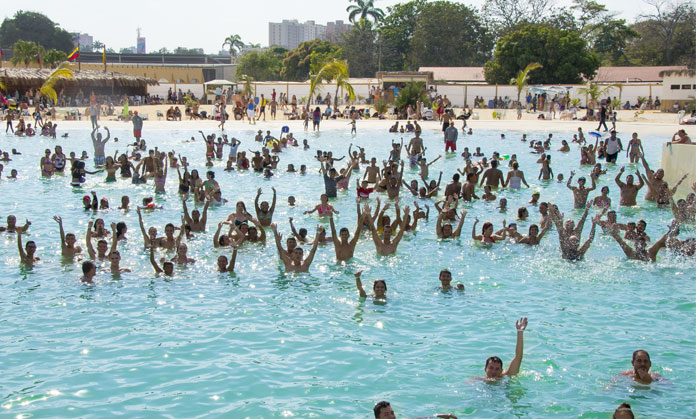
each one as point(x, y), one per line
point(259, 343)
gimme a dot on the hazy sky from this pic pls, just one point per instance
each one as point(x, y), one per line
point(174, 23)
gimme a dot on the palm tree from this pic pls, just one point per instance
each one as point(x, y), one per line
point(333, 69)
point(411, 94)
point(62, 72)
point(341, 80)
point(364, 9)
point(24, 52)
point(520, 82)
point(235, 44)
point(247, 90)
point(593, 91)
point(53, 57)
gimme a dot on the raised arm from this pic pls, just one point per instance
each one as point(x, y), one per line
point(473, 230)
point(22, 255)
point(256, 202)
point(625, 247)
point(359, 286)
point(514, 367)
point(310, 257)
point(187, 216)
point(59, 220)
point(158, 270)
point(617, 179)
point(676, 186)
point(88, 240)
point(233, 260)
point(146, 239)
point(273, 203)
point(570, 179)
point(458, 231)
point(586, 246)
point(114, 238)
point(216, 237)
point(204, 216)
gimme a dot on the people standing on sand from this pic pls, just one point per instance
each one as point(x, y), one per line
point(251, 111)
point(137, 125)
point(262, 107)
point(603, 118)
point(316, 119)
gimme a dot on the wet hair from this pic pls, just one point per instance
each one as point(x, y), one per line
point(445, 271)
point(494, 359)
point(455, 177)
point(635, 353)
point(120, 226)
point(379, 406)
point(494, 163)
point(485, 226)
point(344, 229)
point(303, 232)
point(87, 266)
point(623, 408)
point(211, 174)
point(380, 281)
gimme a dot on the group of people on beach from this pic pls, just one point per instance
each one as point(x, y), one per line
point(141, 165)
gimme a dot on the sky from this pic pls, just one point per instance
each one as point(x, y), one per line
point(175, 23)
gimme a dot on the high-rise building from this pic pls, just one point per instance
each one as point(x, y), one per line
point(141, 44)
point(291, 33)
point(83, 39)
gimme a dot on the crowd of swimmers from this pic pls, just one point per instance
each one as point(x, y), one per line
point(142, 165)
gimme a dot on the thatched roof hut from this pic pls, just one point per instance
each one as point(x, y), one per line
point(109, 83)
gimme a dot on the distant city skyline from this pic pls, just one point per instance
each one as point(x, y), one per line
point(174, 23)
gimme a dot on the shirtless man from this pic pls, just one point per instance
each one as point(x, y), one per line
point(102, 245)
point(12, 226)
point(344, 248)
point(580, 192)
point(445, 231)
point(641, 368)
point(493, 176)
point(89, 270)
point(67, 241)
point(640, 252)
point(294, 262)
point(99, 144)
point(167, 267)
point(416, 145)
point(394, 184)
point(386, 246)
point(222, 264)
point(629, 190)
point(494, 365)
point(26, 255)
point(115, 260)
point(372, 172)
point(569, 239)
point(195, 220)
point(453, 187)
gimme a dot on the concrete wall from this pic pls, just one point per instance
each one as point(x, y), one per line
point(301, 90)
point(678, 160)
point(678, 94)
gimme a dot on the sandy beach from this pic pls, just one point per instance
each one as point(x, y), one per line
point(647, 123)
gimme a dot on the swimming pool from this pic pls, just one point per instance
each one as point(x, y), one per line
point(260, 343)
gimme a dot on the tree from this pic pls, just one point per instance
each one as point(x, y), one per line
point(62, 72)
point(188, 51)
point(365, 9)
point(53, 57)
point(262, 65)
point(24, 52)
point(564, 56)
point(467, 42)
point(97, 45)
point(359, 49)
point(411, 94)
point(247, 90)
point(520, 82)
point(506, 15)
point(594, 92)
point(234, 43)
point(395, 34)
point(612, 40)
point(35, 27)
point(666, 35)
point(297, 61)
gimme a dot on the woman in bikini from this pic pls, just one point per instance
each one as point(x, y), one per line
point(487, 237)
point(264, 212)
point(110, 167)
point(240, 216)
point(161, 179)
point(323, 208)
point(634, 149)
point(47, 167)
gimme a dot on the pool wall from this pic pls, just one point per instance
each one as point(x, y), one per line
point(677, 160)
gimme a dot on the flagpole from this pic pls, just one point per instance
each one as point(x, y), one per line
point(79, 59)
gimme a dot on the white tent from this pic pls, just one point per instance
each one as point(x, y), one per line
point(219, 83)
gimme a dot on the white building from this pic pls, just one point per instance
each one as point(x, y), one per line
point(291, 33)
point(82, 39)
point(678, 87)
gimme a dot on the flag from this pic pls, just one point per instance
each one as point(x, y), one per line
point(74, 54)
point(38, 56)
point(104, 58)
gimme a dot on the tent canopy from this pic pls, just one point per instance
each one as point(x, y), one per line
point(219, 83)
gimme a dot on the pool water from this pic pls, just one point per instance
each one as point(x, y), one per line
point(259, 343)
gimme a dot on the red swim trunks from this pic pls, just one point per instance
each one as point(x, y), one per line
point(136, 133)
